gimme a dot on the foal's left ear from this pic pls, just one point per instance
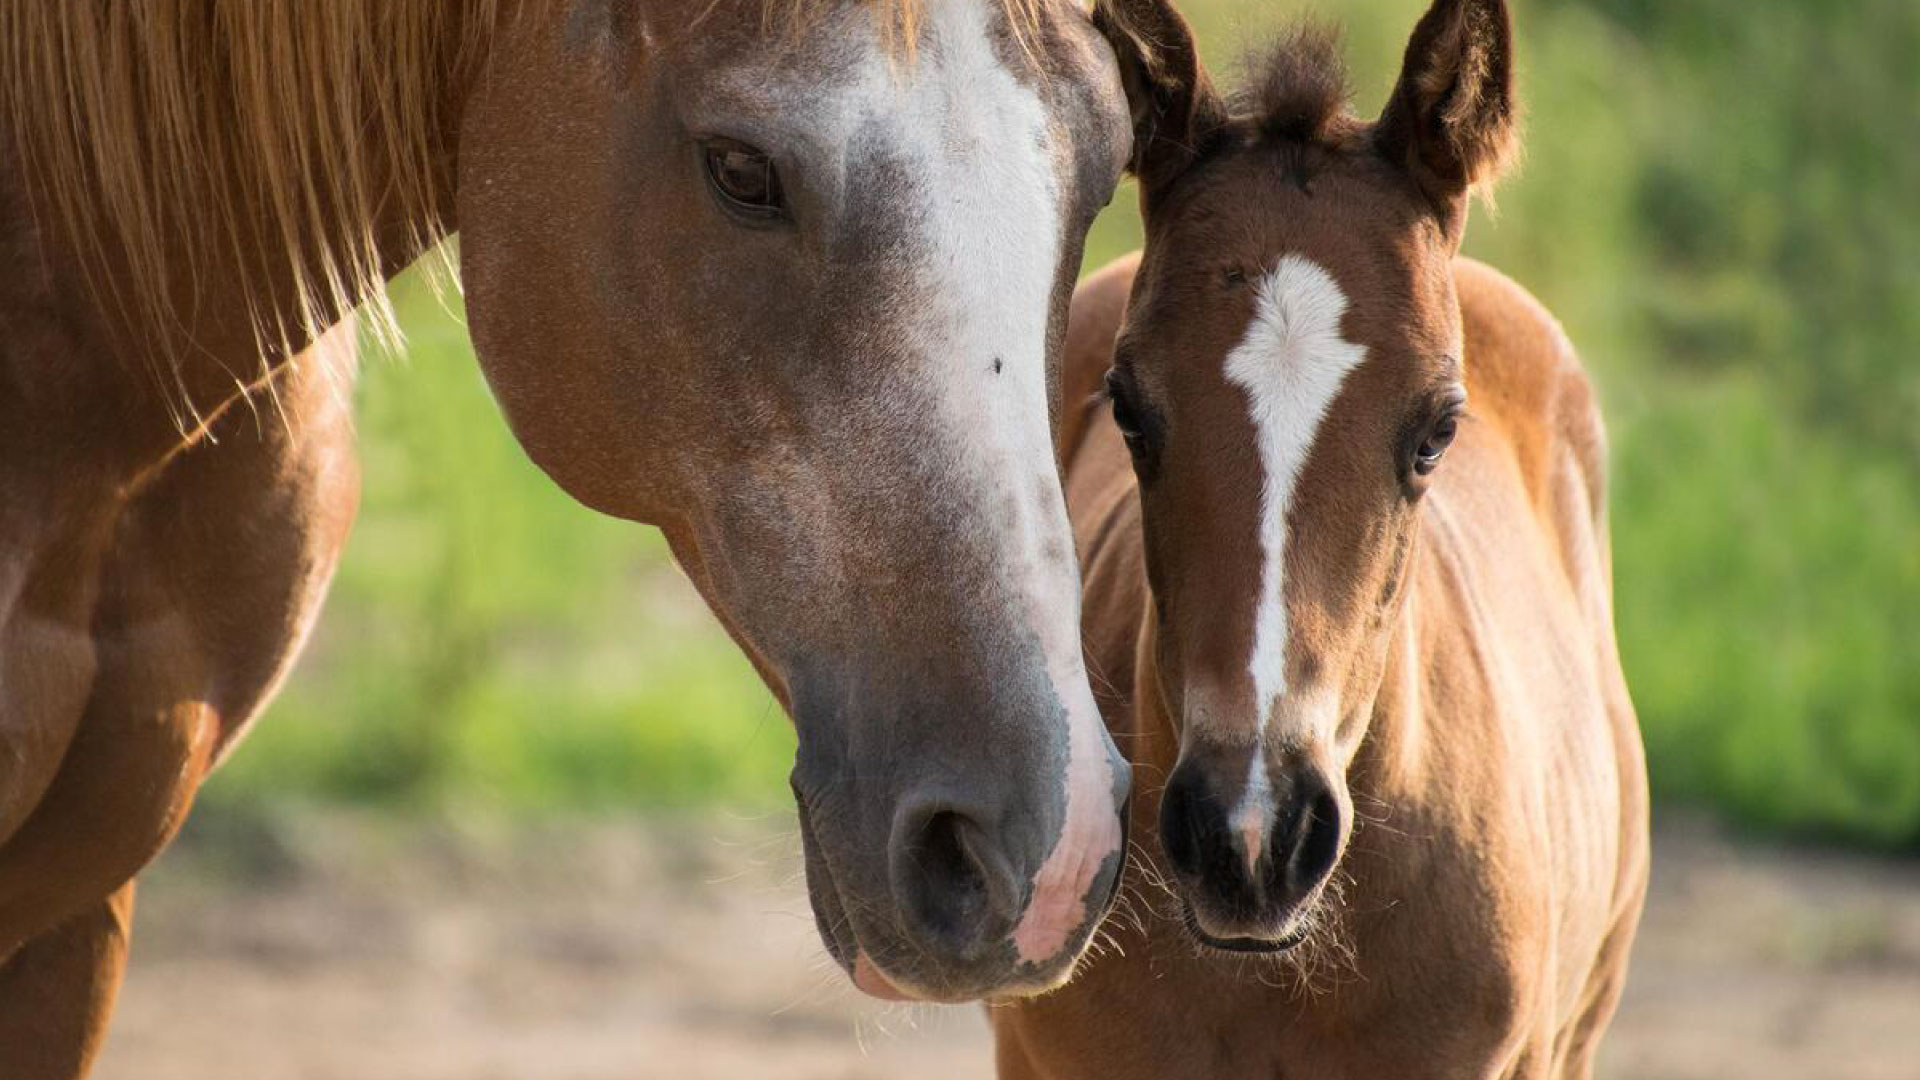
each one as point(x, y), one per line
point(1451, 118)
point(1175, 108)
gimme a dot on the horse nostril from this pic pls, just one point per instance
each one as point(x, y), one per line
point(1316, 841)
point(958, 892)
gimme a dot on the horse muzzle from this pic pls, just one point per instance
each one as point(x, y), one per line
point(961, 908)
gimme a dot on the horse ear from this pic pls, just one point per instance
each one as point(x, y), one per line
point(1450, 120)
point(1175, 109)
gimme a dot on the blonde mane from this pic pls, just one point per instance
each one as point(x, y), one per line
point(154, 123)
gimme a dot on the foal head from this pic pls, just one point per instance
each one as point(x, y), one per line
point(796, 293)
point(1288, 380)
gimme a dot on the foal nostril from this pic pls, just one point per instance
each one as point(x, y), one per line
point(1185, 832)
point(1201, 846)
point(1314, 839)
point(1258, 859)
point(958, 892)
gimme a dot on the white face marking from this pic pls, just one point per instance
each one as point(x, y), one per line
point(994, 238)
point(980, 153)
point(1254, 814)
point(1291, 363)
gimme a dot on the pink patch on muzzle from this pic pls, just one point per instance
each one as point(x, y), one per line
point(1090, 837)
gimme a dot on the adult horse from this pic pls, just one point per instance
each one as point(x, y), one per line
point(1345, 544)
point(789, 284)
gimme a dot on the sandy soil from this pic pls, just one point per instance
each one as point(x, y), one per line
point(337, 949)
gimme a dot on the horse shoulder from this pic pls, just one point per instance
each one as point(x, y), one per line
point(208, 576)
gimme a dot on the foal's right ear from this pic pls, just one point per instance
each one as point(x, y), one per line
point(1451, 120)
point(1175, 109)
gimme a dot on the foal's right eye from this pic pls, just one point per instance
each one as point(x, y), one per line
point(1426, 457)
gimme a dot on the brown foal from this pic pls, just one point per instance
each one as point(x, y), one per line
point(1347, 575)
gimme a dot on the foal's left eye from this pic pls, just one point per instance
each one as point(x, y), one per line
point(1426, 457)
point(745, 179)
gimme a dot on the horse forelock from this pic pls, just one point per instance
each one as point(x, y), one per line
point(900, 21)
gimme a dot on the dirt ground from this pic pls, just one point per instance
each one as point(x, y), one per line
point(331, 948)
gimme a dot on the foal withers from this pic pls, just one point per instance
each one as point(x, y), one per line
point(1362, 599)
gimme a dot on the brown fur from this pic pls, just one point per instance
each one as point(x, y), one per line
point(1485, 753)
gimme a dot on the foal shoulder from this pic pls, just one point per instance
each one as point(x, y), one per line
point(1524, 375)
point(1525, 381)
point(1100, 487)
point(1093, 322)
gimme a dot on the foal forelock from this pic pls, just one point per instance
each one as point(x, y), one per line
point(1291, 363)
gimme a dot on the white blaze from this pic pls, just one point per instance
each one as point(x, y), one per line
point(995, 235)
point(1291, 363)
point(980, 152)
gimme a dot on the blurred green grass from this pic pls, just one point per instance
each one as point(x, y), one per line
point(1718, 200)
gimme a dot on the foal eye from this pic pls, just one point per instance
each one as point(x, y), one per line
point(1426, 457)
point(1125, 417)
point(745, 179)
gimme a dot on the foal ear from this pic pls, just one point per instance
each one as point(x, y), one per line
point(1175, 109)
point(1451, 118)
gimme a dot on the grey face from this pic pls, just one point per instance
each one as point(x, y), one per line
point(802, 313)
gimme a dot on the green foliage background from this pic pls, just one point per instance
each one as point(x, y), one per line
point(1720, 201)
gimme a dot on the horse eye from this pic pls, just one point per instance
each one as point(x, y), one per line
point(745, 179)
point(1427, 457)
